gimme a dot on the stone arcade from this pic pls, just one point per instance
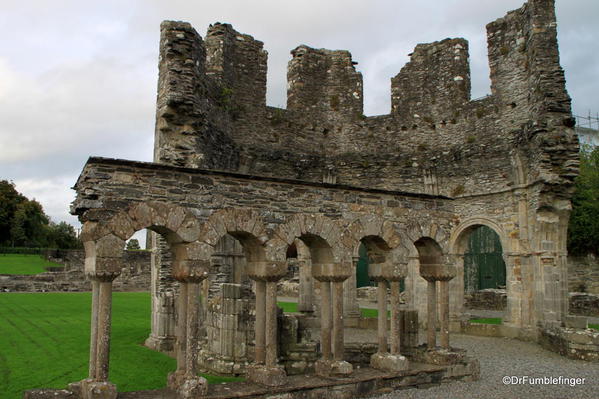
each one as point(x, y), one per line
point(237, 186)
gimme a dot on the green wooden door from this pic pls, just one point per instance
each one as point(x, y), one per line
point(362, 279)
point(483, 262)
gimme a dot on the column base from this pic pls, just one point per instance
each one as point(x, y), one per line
point(389, 362)
point(269, 376)
point(332, 368)
point(164, 344)
point(90, 389)
point(443, 357)
point(188, 387)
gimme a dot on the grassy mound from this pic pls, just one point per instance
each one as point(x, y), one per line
point(24, 264)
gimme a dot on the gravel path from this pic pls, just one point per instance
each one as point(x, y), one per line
point(501, 357)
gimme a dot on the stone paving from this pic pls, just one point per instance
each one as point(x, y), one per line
point(501, 357)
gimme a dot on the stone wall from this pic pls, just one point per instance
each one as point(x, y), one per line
point(583, 274)
point(134, 277)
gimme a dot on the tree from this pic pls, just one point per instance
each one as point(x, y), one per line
point(133, 244)
point(23, 223)
point(9, 200)
point(29, 225)
point(63, 236)
point(583, 230)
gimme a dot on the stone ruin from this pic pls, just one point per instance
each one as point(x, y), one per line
point(239, 191)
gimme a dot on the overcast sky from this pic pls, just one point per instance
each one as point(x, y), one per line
point(78, 78)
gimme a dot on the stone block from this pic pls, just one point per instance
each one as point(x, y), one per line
point(389, 362)
point(576, 322)
point(269, 376)
point(97, 390)
point(332, 368)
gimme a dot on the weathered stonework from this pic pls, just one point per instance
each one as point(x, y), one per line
point(409, 186)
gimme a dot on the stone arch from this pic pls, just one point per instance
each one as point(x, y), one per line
point(372, 226)
point(323, 236)
point(457, 240)
point(176, 223)
point(458, 244)
point(245, 225)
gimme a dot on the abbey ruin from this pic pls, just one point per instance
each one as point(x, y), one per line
point(239, 190)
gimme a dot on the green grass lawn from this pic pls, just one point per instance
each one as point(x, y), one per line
point(491, 320)
point(291, 307)
point(594, 326)
point(24, 264)
point(44, 342)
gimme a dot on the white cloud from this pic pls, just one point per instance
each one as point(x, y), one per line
point(79, 78)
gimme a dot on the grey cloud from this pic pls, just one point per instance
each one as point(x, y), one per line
point(79, 78)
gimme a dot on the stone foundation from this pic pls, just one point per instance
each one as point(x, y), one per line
point(362, 382)
point(582, 344)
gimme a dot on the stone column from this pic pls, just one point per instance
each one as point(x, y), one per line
point(266, 370)
point(306, 287)
point(382, 316)
point(442, 273)
point(192, 324)
point(181, 327)
point(260, 322)
point(431, 335)
point(388, 273)
point(104, 324)
point(93, 346)
point(444, 313)
point(270, 327)
point(351, 308)
point(395, 330)
point(338, 342)
point(325, 320)
point(190, 273)
point(331, 277)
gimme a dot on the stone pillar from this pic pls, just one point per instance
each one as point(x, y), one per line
point(395, 318)
point(306, 287)
point(382, 316)
point(104, 324)
point(444, 313)
point(181, 327)
point(192, 324)
point(442, 273)
point(266, 370)
point(338, 342)
point(331, 277)
point(190, 273)
point(431, 340)
point(325, 320)
point(260, 355)
point(351, 308)
point(270, 333)
point(388, 274)
point(93, 346)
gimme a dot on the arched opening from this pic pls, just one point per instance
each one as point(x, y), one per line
point(483, 284)
point(484, 266)
point(229, 305)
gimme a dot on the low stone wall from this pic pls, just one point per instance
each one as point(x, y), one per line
point(488, 299)
point(582, 344)
point(584, 304)
point(135, 276)
point(583, 274)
